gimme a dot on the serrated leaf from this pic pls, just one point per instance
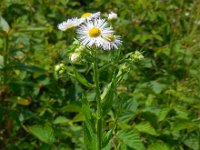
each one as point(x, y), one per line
point(43, 132)
point(131, 138)
point(107, 138)
point(192, 143)
point(4, 25)
point(61, 120)
point(182, 125)
point(158, 146)
point(128, 111)
point(145, 127)
point(163, 113)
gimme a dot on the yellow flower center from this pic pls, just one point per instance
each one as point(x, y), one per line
point(94, 32)
point(110, 38)
point(85, 15)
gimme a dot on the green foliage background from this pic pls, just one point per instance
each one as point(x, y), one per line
point(157, 106)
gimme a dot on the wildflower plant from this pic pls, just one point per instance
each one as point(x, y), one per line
point(95, 36)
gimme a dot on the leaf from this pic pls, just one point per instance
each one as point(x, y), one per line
point(145, 127)
point(1, 61)
point(128, 110)
point(107, 138)
point(43, 132)
point(182, 125)
point(34, 29)
point(71, 108)
point(4, 25)
point(131, 138)
point(79, 118)
point(82, 79)
point(193, 143)
point(30, 68)
point(20, 101)
point(157, 87)
point(163, 113)
point(61, 120)
point(107, 98)
point(158, 146)
point(89, 134)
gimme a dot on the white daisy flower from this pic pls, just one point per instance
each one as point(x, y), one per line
point(112, 16)
point(89, 16)
point(70, 23)
point(92, 33)
point(111, 42)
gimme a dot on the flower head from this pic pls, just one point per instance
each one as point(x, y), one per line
point(89, 16)
point(70, 23)
point(111, 42)
point(112, 16)
point(92, 33)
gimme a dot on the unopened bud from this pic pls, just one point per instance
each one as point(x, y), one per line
point(75, 57)
point(112, 16)
point(137, 56)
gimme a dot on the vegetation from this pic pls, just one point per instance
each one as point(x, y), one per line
point(48, 102)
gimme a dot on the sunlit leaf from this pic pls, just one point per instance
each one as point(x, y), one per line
point(4, 25)
point(61, 120)
point(145, 127)
point(158, 146)
point(43, 132)
point(1, 61)
point(131, 138)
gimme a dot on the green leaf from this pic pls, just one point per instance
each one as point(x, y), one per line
point(158, 146)
point(107, 98)
point(145, 127)
point(182, 124)
point(35, 29)
point(71, 108)
point(89, 134)
point(43, 132)
point(61, 120)
point(1, 61)
point(30, 68)
point(128, 110)
point(82, 79)
point(193, 143)
point(163, 113)
point(79, 117)
point(157, 87)
point(4, 25)
point(107, 138)
point(131, 138)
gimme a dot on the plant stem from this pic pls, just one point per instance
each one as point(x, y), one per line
point(98, 99)
point(5, 74)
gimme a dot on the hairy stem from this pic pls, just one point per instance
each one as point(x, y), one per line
point(98, 99)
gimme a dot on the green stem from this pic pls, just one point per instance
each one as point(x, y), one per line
point(5, 74)
point(98, 99)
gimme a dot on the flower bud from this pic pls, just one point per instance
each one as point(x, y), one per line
point(112, 16)
point(137, 56)
point(75, 57)
point(59, 69)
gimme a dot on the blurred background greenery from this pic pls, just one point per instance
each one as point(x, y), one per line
point(160, 95)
